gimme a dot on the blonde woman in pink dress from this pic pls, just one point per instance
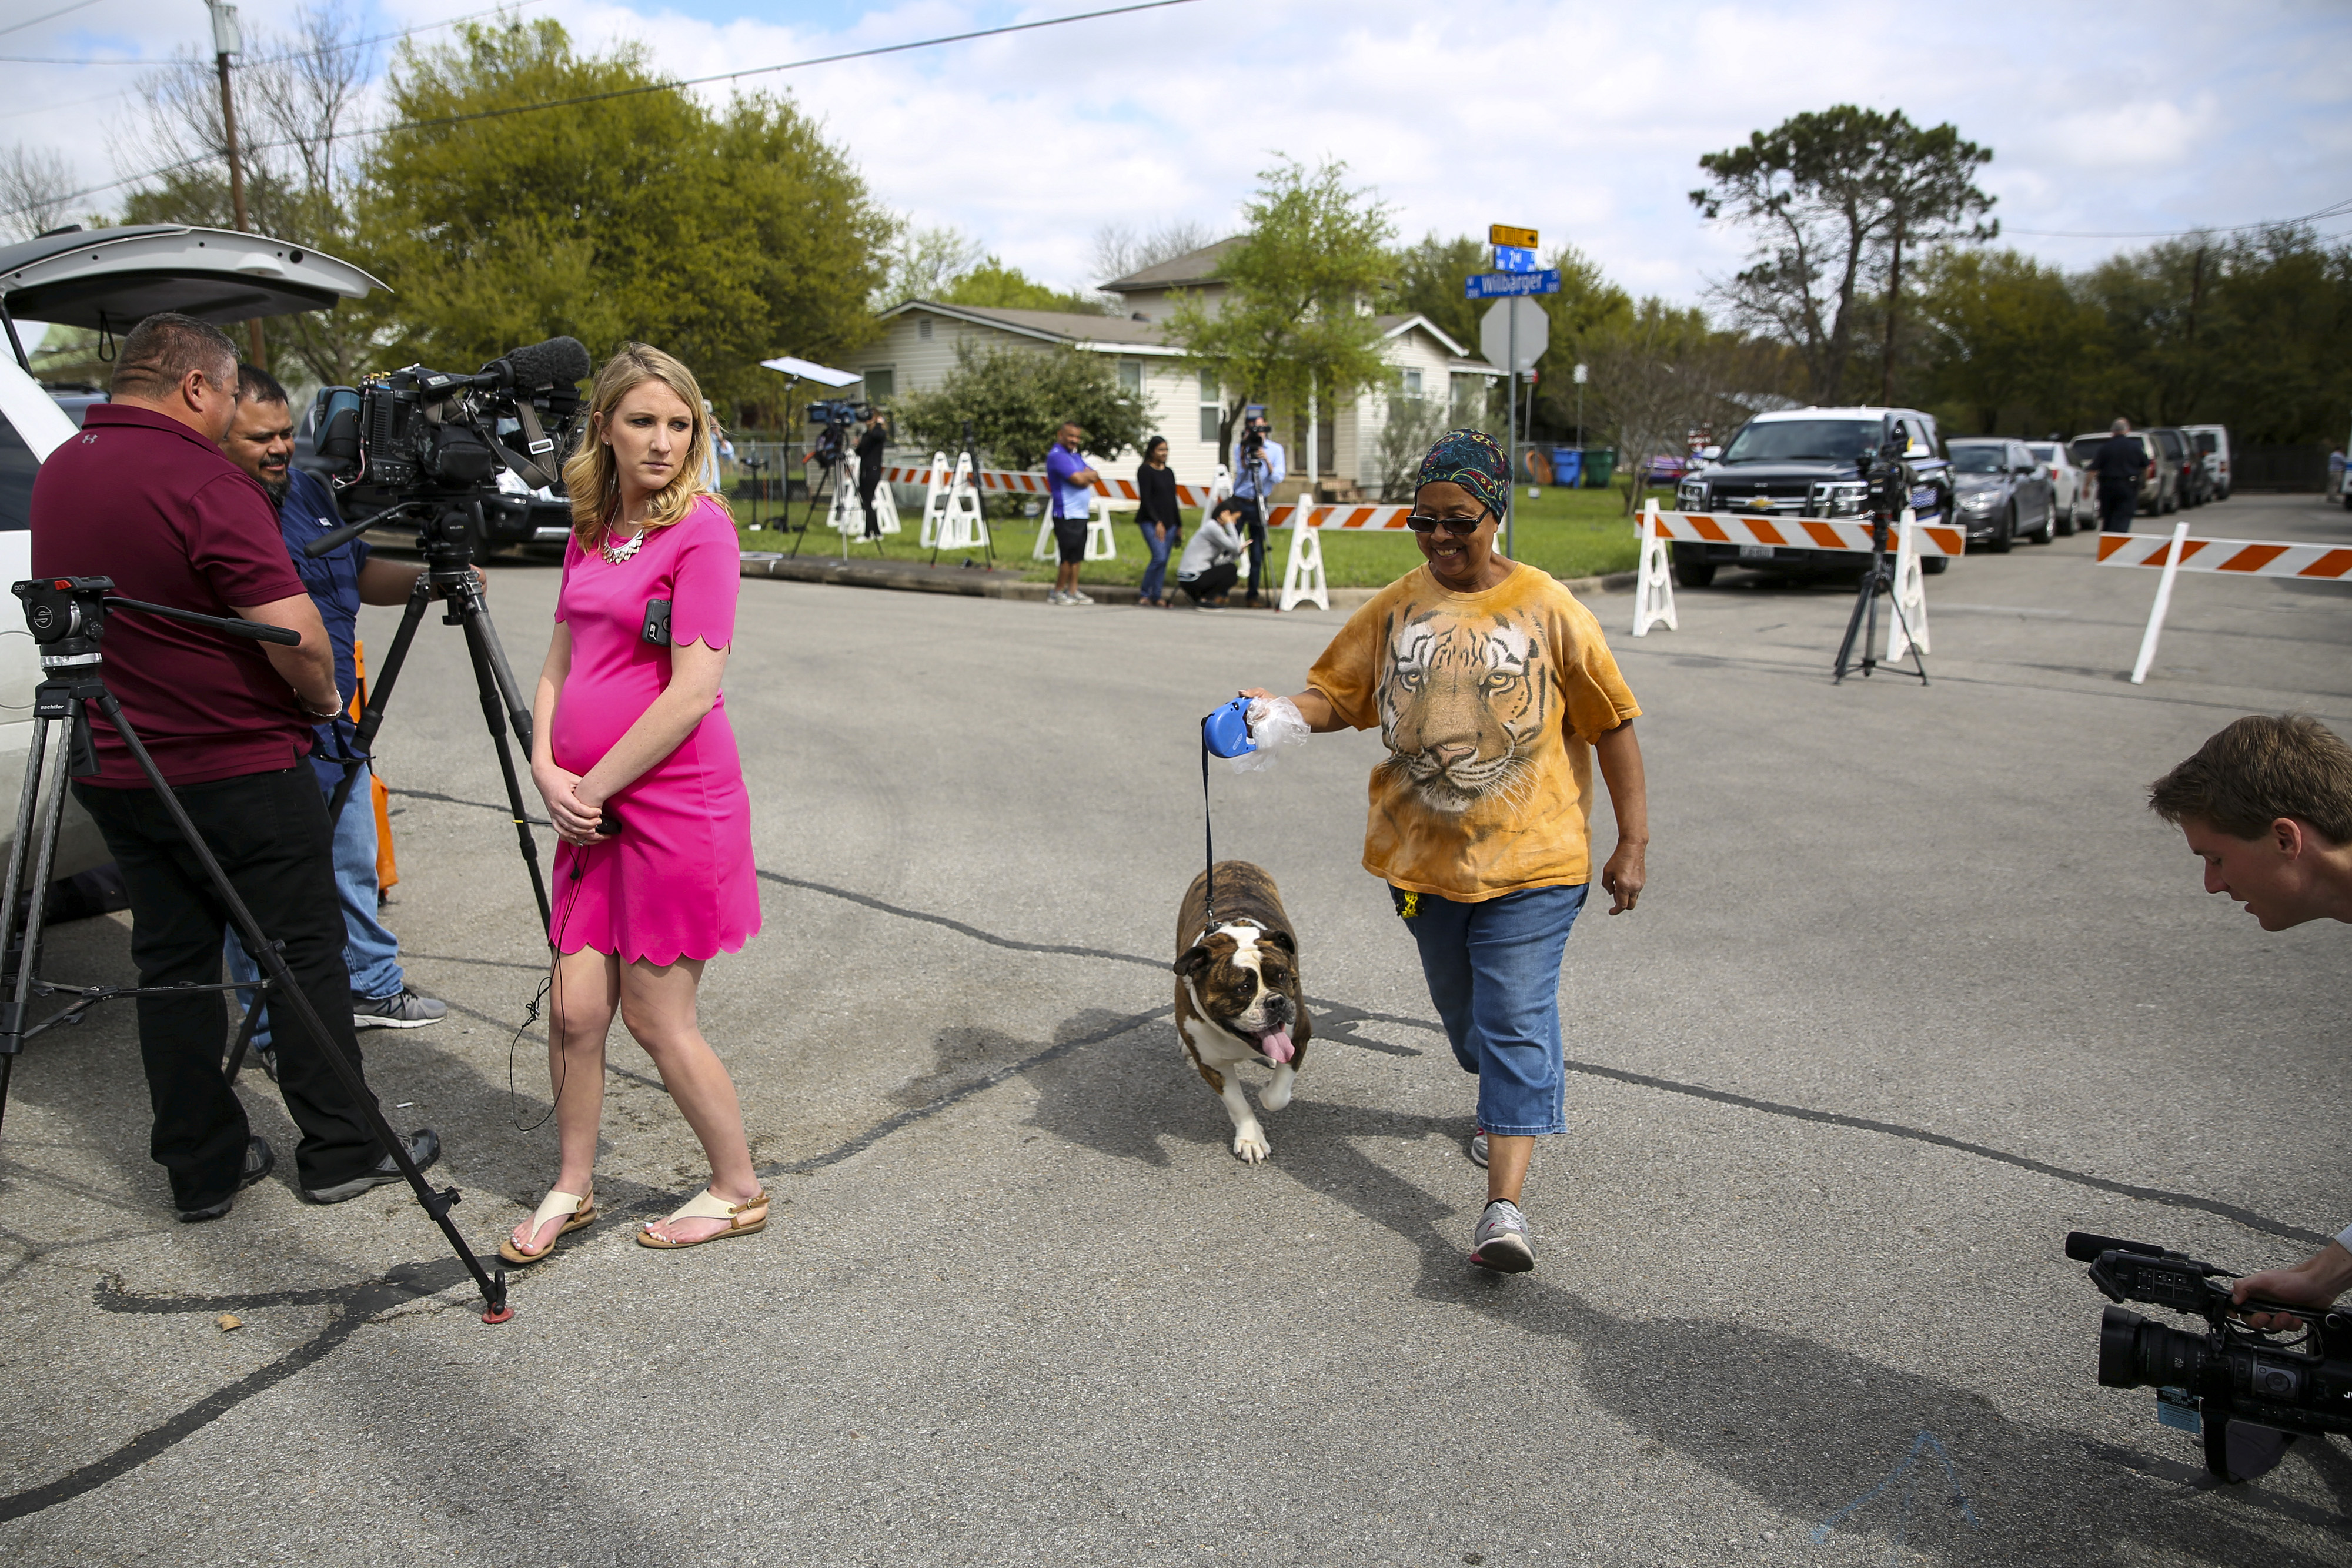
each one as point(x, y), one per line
point(632, 750)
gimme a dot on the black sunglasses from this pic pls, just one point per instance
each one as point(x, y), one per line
point(1460, 528)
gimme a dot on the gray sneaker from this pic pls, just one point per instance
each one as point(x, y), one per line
point(1478, 1148)
point(401, 1010)
point(424, 1149)
point(1079, 597)
point(1500, 1242)
point(1056, 596)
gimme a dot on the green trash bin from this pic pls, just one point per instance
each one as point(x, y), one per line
point(1600, 466)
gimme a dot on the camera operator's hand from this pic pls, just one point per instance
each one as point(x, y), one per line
point(2315, 1282)
point(575, 819)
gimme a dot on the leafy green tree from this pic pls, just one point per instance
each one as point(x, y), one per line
point(1296, 313)
point(722, 235)
point(2006, 335)
point(1016, 399)
point(1838, 200)
point(1661, 372)
point(993, 284)
point(1429, 275)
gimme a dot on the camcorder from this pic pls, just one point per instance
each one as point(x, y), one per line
point(1889, 477)
point(2292, 1380)
point(838, 413)
point(430, 445)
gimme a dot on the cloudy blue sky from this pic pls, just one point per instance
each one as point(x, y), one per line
point(1581, 121)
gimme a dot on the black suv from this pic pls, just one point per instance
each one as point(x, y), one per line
point(1804, 463)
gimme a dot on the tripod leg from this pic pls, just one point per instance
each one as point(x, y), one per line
point(1870, 585)
point(480, 642)
point(297, 1003)
point(245, 1033)
point(45, 856)
point(1903, 619)
point(371, 716)
point(1852, 629)
point(12, 1018)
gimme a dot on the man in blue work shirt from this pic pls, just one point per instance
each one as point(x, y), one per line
point(262, 442)
point(1073, 483)
point(1258, 467)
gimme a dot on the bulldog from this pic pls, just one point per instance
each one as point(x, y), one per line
point(1237, 993)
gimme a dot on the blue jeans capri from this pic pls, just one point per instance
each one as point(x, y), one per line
point(1493, 970)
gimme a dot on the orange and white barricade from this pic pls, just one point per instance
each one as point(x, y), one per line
point(1655, 602)
point(848, 515)
point(1100, 546)
point(2241, 557)
point(952, 515)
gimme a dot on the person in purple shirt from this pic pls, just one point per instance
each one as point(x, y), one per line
point(1071, 483)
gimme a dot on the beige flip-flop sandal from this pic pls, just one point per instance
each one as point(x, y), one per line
point(708, 1204)
point(579, 1207)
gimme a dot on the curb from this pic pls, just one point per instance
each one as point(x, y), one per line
point(984, 582)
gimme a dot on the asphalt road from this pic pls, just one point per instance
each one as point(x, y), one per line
point(1919, 985)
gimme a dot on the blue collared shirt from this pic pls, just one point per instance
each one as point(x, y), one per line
point(334, 582)
point(1245, 475)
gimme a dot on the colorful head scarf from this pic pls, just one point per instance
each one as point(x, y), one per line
point(1471, 459)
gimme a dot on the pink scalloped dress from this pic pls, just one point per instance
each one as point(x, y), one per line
point(676, 882)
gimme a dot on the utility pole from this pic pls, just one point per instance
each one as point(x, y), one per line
point(228, 40)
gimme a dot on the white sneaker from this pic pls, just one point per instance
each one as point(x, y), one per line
point(1056, 596)
point(1078, 598)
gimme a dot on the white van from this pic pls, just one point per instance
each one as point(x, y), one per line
point(2212, 442)
point(107, 279)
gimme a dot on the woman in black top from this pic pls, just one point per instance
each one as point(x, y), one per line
point(1155, 489)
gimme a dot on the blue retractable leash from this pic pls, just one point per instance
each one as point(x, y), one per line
point(1226, 733)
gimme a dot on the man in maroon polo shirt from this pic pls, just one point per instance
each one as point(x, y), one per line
point(143, 496)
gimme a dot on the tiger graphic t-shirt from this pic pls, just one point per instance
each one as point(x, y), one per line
point(1489, 704)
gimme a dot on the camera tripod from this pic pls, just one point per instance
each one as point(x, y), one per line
point(1892, 487)
point(66, 617)
point(821, 493)
point(446, 536)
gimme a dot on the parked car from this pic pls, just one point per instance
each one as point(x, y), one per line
point(110, 278)
point(2212, 444)
point(2159, 486)
point(2003, 492)
point(2193, 489)
point(2075, 492)
point(1803, 463)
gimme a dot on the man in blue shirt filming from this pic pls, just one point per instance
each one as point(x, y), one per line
point(262, 442)
point(1258, 466)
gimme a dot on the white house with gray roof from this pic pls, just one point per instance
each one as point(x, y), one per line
point(917, 342)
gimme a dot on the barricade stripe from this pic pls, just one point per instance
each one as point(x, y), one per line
point(2252, 558)
point(2334, 563)
point(1767, 534)
point(1709, 530)
point(1824, 534)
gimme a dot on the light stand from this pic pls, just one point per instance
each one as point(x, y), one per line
point(758, 485)
point(66, 617)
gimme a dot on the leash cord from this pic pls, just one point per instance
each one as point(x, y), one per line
point(1209, 836)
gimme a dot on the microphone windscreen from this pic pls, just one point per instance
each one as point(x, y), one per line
point(2085, 1247)
point(557, 361)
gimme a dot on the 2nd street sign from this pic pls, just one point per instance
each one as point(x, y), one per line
point(1501, 285)
point(1513, 258)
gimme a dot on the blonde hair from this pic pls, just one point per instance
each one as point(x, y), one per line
point(593, 478)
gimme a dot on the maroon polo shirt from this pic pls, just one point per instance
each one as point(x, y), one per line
point(152, 504)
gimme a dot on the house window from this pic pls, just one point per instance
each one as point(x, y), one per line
point(1131, 376)
point(1410, 383)
point(1210, 408)
point(923, 327)
point(880, 384)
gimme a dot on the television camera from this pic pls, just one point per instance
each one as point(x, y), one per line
point(2296, 1379)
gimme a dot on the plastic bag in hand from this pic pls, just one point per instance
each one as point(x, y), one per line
point(1273, 722)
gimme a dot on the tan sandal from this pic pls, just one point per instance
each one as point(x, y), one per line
point(581, 1208)
point(708, 1204)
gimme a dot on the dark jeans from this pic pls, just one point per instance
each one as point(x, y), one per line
point(1157, 538)
point(1253, 520)
point(869, 480)
point(2118, 504)
point(1215, 580)
point(269, 832)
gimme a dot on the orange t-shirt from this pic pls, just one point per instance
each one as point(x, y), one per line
point(1488, 702)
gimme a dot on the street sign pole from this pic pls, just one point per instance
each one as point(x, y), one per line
point(1511, 499)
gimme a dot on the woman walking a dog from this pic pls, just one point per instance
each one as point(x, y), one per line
point(1495, 691)
point(632, 750)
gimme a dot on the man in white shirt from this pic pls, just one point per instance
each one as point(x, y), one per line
point(2267, 804)
point(1258, 466)
point(1207, 572)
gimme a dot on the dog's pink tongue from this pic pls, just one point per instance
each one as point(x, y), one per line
point(1276, 1046)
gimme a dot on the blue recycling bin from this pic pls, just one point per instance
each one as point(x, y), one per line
point(1567, 467)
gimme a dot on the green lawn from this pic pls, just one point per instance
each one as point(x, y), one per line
point(1568, 533)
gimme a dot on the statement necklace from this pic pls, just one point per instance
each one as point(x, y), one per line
point(617, 554)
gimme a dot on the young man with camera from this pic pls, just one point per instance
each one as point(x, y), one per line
point(2267, 804)
point(871, 440)
point(1259, 466)
point(262, 442)
point(143, 496)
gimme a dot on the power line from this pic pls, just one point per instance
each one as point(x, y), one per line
point(244, 60)
point(679, 84)
point(2334, 209)
point(52, 17)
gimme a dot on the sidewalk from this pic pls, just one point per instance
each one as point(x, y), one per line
point(1001, 582)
